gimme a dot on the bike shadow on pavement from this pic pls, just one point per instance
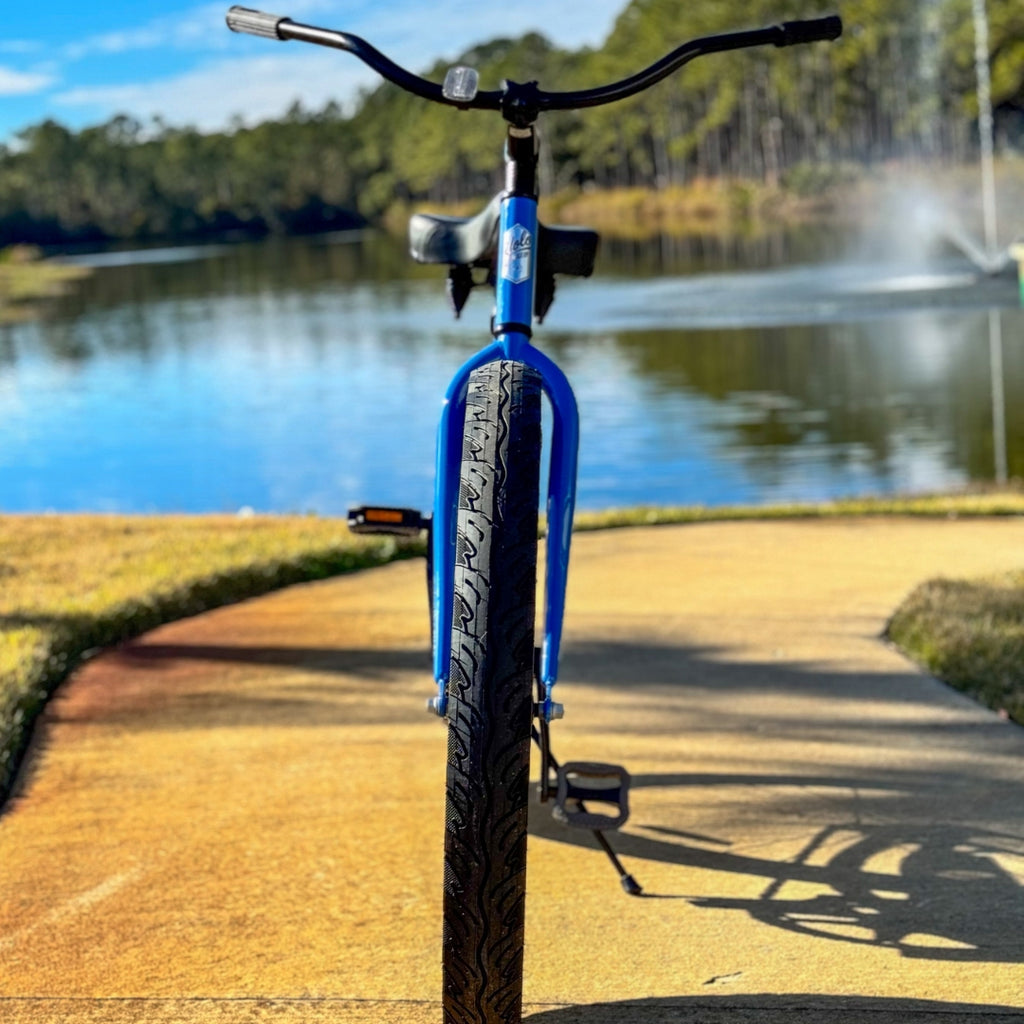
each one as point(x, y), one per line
point(952, 900)
point(778, 1009)
point(923, 855)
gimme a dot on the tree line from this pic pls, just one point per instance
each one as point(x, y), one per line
point(900, 84)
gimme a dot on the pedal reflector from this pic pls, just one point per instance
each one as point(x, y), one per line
point(406, 522)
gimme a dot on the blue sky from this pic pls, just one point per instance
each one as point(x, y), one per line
point(81, 63)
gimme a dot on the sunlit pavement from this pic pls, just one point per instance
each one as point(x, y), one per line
point(239, 817)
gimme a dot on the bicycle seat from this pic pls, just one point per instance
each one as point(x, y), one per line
point(463, 241)
point(473, 241)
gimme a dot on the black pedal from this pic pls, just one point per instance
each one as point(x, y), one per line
point(402, 522)
point(581, 784)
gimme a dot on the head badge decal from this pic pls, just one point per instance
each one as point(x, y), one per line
point(516, 254)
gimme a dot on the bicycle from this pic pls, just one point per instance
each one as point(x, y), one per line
point(482, 548)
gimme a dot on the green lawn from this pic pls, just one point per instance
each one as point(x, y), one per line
point(969, 633)
point(26, 278)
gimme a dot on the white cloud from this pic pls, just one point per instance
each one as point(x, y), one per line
point(184, 29)
point(257, 88)
point(20, 46)
point(198, 28)
point(114, 42)
point(21, 83)
point(267, 77)
point(416, 34)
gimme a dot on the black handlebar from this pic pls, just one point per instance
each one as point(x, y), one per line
point(816, 30)
point(520, 104)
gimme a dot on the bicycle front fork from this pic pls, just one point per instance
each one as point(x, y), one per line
point(561, 502)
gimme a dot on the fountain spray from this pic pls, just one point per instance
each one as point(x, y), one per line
point(985, 128)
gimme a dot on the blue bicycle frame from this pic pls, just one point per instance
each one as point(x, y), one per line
point(515, 282)
point(520, 105)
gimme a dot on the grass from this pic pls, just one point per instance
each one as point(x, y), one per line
point(969, 633)
point(809, 193)
point(705, 206)
point(73, 583)
point(70, 584)
point(952, 506)
point(26, 278)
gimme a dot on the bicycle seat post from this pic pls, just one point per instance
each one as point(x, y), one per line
point(521, 162)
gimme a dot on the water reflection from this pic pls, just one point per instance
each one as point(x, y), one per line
point(304, 375)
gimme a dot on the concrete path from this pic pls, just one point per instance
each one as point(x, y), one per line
point(239, 817)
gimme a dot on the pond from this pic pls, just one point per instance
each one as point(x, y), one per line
point(305, 375)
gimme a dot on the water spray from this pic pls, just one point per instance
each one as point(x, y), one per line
point(986, 130)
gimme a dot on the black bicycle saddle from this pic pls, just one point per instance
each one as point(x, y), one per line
point(473, 241)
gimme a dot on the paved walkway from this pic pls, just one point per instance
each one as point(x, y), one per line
point(239, 817)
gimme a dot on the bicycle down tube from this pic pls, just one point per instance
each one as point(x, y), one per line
point(512, 326)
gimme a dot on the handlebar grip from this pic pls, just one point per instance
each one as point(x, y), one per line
point(256, 23)
point(815, 30)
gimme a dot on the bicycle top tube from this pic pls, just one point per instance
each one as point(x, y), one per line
point(520, 104)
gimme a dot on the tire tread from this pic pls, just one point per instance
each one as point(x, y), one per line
point(490, 698)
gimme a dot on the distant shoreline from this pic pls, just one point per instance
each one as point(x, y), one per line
point(822, 195)
point(26, 279)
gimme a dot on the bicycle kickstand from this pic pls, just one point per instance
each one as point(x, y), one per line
point(577, 781)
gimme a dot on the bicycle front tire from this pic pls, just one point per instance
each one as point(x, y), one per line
point(490, 700)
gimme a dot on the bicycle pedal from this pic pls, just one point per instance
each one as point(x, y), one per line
point(403, 522)
point(583, 783)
